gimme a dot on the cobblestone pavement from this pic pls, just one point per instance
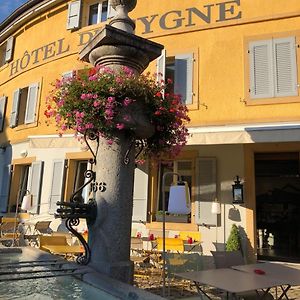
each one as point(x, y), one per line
point(151, 280)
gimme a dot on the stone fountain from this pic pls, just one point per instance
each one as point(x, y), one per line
point(109, 235)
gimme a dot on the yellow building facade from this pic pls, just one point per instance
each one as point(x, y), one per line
point(236, 65)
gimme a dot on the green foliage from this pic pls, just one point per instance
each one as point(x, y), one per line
point(234, 239)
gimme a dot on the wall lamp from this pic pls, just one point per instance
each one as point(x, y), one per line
point(237, 191)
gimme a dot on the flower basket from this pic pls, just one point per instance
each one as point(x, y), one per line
point(111, 102)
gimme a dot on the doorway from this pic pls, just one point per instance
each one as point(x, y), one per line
point(277, 182)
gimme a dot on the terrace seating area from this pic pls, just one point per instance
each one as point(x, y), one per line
point(183, 255)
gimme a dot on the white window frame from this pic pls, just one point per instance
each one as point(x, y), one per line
point(32, 98)
point(189, 96)
point(110, 11)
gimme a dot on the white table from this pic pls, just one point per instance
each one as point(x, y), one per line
point(289, 275)
point(232, 281)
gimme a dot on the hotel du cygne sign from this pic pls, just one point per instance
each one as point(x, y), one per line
point(171, 20)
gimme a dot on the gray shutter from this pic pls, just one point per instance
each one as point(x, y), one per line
point(5, 187)
point(183, 82)
point(285, 67)
point(9, 49)
point(161, 66)
point(74, 9)
point(207, 190)
point(57, 184)
point(3, 101)
point(15, 109)
point(35, 185)
point(261, 69)
point(31, 103)
point(111, 11)
point(140, 194)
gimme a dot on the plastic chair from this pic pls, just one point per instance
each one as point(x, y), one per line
point(227, 259)
point(182, 262)
point(171, 244)
point(42, 227)
point(138, 254)
point(9, 233)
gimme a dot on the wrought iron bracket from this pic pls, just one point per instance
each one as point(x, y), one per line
point(139, 146)
point(73, 212)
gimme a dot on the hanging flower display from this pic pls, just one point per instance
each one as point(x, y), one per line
point(109, 101)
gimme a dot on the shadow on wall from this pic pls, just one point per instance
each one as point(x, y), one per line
point(246, 246)
point(234, 214)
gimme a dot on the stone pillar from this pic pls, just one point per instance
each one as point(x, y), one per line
point(109, 237)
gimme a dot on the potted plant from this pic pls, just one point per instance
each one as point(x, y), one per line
point(234, 240)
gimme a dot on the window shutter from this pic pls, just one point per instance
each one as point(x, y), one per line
point(111, 11)
point(183, 83)
point(9, 49)
point(74, 14)
point(31, 103)
point(5, 187)
point(3, 101)
point(15, 109)
point(161, 66)
point(140, 194)
point(285, 67)
point(261, 69)
point(57, 184)
point(207, 191)
point(34, 185)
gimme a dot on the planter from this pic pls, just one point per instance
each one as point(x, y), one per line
point(173, 219)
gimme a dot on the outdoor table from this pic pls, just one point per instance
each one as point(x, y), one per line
point(289, 275)
point(232, 281)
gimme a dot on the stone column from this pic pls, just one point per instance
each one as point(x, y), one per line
point(109, 237)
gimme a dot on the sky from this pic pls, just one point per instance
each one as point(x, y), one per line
point(8, 6)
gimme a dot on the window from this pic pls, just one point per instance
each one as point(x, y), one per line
point(68, 74)
point(26, 177)
point(100, 12)
point(3, 101)
point(95, 12)
point(80, 180)
point(24, 105)
point(74, 10)
point(182, 167)
point(180, 69)
point(6, 51)
point(273, 68)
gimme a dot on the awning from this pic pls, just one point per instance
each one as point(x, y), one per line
point(245, 134)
